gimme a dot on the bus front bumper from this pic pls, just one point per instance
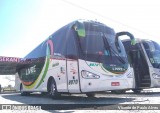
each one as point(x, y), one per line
point(106, 85)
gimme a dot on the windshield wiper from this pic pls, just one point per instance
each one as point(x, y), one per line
point(111, 50)
point(106, 45)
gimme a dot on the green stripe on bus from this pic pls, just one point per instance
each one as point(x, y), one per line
point(45, 72)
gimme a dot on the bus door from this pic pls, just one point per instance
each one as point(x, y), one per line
point(141, 70)
point(73, 76)
point(134, 55)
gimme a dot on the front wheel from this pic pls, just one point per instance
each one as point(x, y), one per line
point(53, 90)
point(44, 93)
point(118, 91)
point(137, 90)
point(90, 94)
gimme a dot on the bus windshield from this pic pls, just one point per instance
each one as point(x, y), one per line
point(153, 52)
point(99, 46)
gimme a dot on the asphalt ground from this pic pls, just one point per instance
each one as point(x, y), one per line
point(148, 101)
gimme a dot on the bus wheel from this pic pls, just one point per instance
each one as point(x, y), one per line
point(90, 94)
point(136, 90)
point(23, 93)
point(118, 91)
point(53, 89)
point(44, 93)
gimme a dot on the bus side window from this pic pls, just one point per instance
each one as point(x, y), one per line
point(59, 42)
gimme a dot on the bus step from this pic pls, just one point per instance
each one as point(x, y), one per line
point(145, 80)
point(146, 77)
point(145, 84)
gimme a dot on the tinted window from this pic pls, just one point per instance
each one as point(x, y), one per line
point(59, 42)
point(71, 45)
point(153, 52)
point(92, 43)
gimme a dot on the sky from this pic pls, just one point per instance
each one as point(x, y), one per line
point(24, 24)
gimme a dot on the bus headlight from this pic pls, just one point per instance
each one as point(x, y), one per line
point(89, 75)
point(130, 75)
point(155, 76)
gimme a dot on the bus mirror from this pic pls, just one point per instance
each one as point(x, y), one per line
point(79, 27)
point(133, 42)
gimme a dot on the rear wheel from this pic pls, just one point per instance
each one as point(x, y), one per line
point(90, 94)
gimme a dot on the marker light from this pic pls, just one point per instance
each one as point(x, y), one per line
point(89, 75)
point(156, 76)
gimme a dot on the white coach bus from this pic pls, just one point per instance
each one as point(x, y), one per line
point(81, 57)
point(145, 61)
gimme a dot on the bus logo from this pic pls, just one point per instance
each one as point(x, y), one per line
point(31, 70)
point(93, 64)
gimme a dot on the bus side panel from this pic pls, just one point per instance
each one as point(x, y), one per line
point(58, 72)
point(155, 83)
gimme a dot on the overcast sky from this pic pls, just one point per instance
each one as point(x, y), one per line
point(26, 23)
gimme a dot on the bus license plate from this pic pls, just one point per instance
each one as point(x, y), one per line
point(115, 84)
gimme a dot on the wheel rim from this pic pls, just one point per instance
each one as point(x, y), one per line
point(53, 89)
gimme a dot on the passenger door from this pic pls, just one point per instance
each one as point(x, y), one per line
point(72, 64)
point(73, 76)
point(141, 69)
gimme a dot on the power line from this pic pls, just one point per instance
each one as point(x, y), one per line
point(95, 13)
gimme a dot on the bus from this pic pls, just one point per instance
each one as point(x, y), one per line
point(144, 58)
point(82, 57)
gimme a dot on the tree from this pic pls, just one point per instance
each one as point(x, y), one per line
point(10, 78)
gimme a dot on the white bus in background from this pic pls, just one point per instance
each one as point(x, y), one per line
point(145, 61)
point(81, 57)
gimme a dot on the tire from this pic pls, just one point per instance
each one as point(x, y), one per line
point(118, 91)
point(44, 93)
point(53, 90)
point(136, 91)
point(90, 94)
point(23, 93)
